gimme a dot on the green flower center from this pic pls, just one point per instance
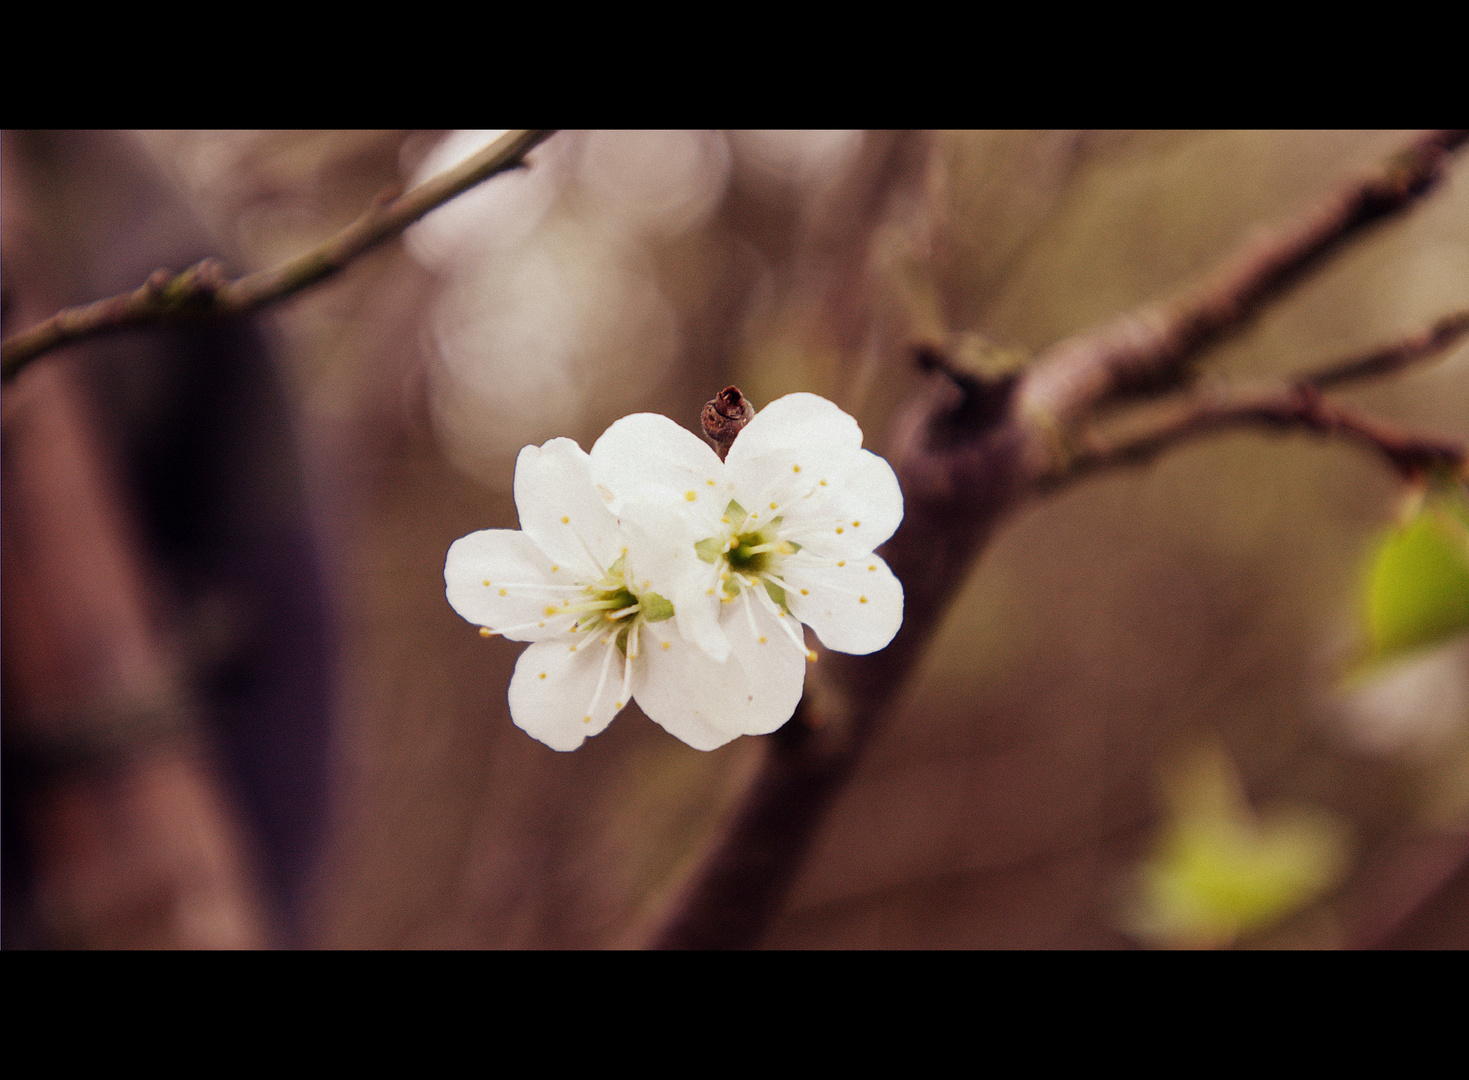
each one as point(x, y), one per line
point(752, 552)
point(611, 606)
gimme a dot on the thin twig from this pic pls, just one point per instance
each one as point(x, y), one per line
point(1393, 358)
point(1300, 407)
point(203, 291)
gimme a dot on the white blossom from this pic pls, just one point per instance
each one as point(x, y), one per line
point(580, 586)
point(780, 533)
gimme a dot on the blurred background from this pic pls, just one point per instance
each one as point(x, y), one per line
point(239, 712)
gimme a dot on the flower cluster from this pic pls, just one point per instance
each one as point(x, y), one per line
point(649, 569)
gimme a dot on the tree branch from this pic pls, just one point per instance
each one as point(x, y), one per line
point(969, 450)
point(1298, 407)
point(1147, 350)
point(1390, 359)
point(203, 290)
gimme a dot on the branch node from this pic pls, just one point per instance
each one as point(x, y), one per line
point(982, 400)
point(725, 417)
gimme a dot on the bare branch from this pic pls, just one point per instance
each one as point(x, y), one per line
point(203, 291)
point(1295, 405)
point(1147, 350)
point(1393, 358)
point(1299, 407)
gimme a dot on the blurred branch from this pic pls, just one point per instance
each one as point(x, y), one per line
point(1148, 350)
point(970, 450)
point(203, 291)
point(1389, 360)
point(1300, 406)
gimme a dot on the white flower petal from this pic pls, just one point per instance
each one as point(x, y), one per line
point(561, 511)
point(645, 464)
point(855, 607)
point(555, 685)
point(666, 562)
point(870, 502)
point(803, 484)
point(500, 579)
point(706, 703)
point(796, 422)
point(697, 608)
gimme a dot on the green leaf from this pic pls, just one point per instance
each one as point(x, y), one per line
point(1418, 581)
point(1219, 870)
point(735, 513)
point(776, 593)
point(655, 607)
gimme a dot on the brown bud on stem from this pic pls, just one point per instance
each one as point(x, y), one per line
point(725, 417)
